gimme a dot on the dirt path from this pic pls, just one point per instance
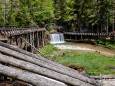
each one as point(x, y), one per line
point(82, 47)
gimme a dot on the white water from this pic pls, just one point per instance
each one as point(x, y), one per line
point(56, 38)
point(71, 47)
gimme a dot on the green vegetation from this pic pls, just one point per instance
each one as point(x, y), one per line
point(26, 12)
point(89, 63)
point(48, 50)
point(97, 15)
point(93, 63)
point(109, 43)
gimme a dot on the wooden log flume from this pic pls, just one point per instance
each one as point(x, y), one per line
point(30, 65)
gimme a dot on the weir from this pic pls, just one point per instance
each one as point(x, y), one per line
point(56, 38)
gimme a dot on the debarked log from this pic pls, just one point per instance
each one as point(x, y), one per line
point(42, 71)
point(45, 63)
point(29, 77)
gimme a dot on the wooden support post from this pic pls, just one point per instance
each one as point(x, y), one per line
point(30, 42)
point(38, 40)
point(20, 42)
point(43, 33)
point(11, 40)
point(41, 39)
point(26, 38)
point(33, 42)
point(16, 40)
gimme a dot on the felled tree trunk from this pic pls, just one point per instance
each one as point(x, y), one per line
point(42, 71)
point(21, 54)
point(29, 77)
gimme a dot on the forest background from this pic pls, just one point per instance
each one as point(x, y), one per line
point(94, 15)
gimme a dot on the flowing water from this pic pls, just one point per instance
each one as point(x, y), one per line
point(83, 47)
point(56, 38)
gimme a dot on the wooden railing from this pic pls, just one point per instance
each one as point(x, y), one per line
point(91, 34)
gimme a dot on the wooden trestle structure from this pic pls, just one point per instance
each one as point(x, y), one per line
point(76, 36)
point(19, 64)
point(91, 34)
point(24, 37)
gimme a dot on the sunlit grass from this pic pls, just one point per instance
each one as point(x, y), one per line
point(48, 50)
point(91, 63)
point(94, 63)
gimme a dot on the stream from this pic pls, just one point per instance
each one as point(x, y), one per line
point(83, 47)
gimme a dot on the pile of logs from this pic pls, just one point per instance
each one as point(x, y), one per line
point(38, 71)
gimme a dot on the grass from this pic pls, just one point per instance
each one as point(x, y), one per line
point(93, 63)
point(48, 50)
point(90, 63)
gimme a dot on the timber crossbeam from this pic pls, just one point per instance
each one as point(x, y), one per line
point(91, 34)
point(18, 31)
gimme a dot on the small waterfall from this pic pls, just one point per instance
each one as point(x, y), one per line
point(56, 38)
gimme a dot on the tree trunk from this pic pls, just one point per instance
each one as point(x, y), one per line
point(28, 77)
point(45, 63)
point(113, 19)
point(107, 25)
point(40, 70)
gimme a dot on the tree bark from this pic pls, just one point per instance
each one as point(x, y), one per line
point(45, 63)
point(28, 77)
point(40, 70)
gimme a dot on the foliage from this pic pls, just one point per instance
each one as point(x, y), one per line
point(1, 16)
point(43, 11)
point(73, 14)
point(69, 10)
point(109, 43)
point(27, 12)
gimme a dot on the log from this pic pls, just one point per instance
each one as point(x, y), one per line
point(103, 77)
point(45, 63)
point(28, 77)
point(40, 70)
